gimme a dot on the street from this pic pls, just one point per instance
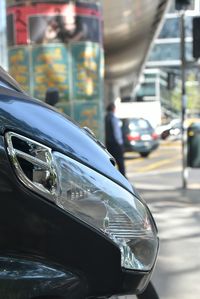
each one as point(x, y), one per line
point(177, 214)
point(161, 170)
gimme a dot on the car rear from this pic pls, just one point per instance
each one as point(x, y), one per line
point(139, 136)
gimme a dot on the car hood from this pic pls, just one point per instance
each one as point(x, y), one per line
point(34, 119)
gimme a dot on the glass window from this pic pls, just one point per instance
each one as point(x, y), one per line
point(188, 26)
point(190, 7)
point(150, 76)
point(138, 123)
point(146, 89)
point(171, 28)
point(170, 51)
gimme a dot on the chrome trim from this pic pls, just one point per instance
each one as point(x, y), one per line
point(32, 160)
point(47, 185)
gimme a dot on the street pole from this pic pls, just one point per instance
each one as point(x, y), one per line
point(183, 101)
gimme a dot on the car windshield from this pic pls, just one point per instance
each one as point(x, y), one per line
point(140, 123)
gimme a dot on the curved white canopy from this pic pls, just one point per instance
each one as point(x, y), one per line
point(129, 29)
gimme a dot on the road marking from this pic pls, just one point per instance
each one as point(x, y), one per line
point(155, 165)
point(170, 144)
point(133, 174)
point(154, 187)
point(134, 160)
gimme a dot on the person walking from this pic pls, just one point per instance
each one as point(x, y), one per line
point(113, 137)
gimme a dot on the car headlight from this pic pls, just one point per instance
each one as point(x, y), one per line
point(89, 196)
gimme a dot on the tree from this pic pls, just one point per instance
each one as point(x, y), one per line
point(192, 92)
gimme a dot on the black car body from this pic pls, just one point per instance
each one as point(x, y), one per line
point(47, 251)
point(139, 136)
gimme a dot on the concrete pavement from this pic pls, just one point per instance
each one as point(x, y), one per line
point(177, 214)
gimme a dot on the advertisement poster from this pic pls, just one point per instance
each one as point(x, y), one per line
point(50, 69)
point(58, 44)
point(88, 114)
point(34, 22)
point(86, 71)
point(18, 60)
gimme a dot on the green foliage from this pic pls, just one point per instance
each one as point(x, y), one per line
point(176, 97)
point(192, 92)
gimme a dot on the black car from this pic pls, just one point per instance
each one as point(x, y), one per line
point(139, 136)
point(71, 225)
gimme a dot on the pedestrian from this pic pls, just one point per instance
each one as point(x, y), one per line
point(114, 139)
point(52, 96)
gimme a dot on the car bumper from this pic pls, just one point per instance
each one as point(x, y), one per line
point(142, 146)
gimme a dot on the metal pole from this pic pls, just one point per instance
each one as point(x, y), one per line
point(183, 101)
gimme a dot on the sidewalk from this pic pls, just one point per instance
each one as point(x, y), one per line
point(181, 196)
point(177, 214)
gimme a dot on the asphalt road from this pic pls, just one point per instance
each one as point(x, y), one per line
point(161, 170)
point(177, 214)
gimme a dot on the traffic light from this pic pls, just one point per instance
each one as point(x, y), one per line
point(196, 37)
point(182, 4)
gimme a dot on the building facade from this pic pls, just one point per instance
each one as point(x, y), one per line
point(165, 59)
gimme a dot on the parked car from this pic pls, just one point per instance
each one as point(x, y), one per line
point(139, 136)
point(163, 131)
point(71, 225)
point(173, 128)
